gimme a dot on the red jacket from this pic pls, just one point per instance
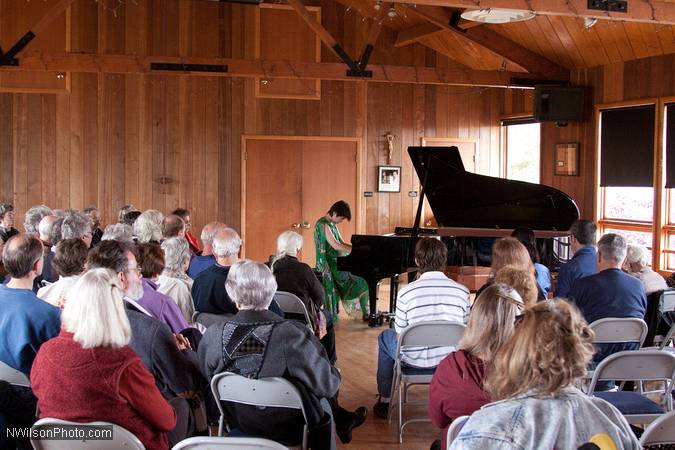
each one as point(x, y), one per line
point(100, 384)
point(456, 388)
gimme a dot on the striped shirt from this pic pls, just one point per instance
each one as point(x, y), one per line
point(433, 296)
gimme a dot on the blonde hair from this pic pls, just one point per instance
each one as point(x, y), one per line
point(523, 281)
point(549, 350)
point(94, 311)
point(148, 226)
point(289, 243)
point(510, 251)
point(491, 321)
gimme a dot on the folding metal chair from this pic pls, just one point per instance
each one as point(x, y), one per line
point(269, 392)
point(638, 366)
point(227, 443)
point(43, 429)
point(292, 306)
point(13, 376)
point(667, 309)
point(660, 432)
point(208, 319)
point(436, 333)
point(454, 429)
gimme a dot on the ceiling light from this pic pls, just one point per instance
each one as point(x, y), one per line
point(491, 15)
point(589, 22)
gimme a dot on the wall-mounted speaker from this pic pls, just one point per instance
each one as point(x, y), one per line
point(558, 103)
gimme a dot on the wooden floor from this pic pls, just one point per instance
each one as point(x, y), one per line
point(357, 360)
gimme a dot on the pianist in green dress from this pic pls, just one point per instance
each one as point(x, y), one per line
point(338, 285)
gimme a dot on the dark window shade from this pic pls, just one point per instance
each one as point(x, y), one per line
point(670, 146)
point(518, 121)
point(627, 147)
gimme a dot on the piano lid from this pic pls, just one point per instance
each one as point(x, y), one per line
point(463, 199)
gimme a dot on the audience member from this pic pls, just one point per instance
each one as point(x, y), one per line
point(123, 212)
point(583, 262)
point(7, 229)
point(433, 296)
point(208, 291)
point(33, 217)
point(298, 278)
point(3, 273)
point(281, 348)
point(509, 251)
point(173, 226)
point(76, 226)
point(88, 373)
point(520, 280)
point(148, 227)
point(69, 263)
point(192, 240)
point(131, 217)
point(169, 357)
point(532, 385)
point(45, 232)
point(95, 219)
point(636, 264)
point(206, 259)
point(173, 281)
point(162, 307)
point(543, 275)
point(118, 232)
point(457, 386)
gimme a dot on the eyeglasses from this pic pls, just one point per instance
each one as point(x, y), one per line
point(135, 269)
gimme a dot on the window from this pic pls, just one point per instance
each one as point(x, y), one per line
point(521, 146)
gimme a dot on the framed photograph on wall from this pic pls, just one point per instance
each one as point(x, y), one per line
point(567, 159)
point(389, 178)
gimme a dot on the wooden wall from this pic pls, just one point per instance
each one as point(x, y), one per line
point(162, 142)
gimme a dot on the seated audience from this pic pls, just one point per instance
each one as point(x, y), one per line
point(433, 296)
point(131, 217)
point(76, 226)
point(636, 264)
point(123, 212)
point(192, 240)
point(206, 259)
point(509, 251)
point(162, 307)
point(168, 357)
point(4, 277)
point(520, 280)
point(148, 227)
point(457, 386)
point(46, 231)
point(95, 219)
point(88, 373)
point(543, 275)
point(69, 261)
point(118, 232)
point(532, 383)
point(33, 217)
point(583, 263)
point(7, 229)
point(298, 278)
point(282, 348)
point(208, 290)
point(173, 281)
point(173, 226)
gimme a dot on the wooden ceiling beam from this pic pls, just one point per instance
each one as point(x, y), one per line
point(135, 64)
point(496, 43)
point(415, 34)
point(650, 11)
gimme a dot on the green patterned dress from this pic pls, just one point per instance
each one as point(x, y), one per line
point(338, 285)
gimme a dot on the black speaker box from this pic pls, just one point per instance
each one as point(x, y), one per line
point(558, 103)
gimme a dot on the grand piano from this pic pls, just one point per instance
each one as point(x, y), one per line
point(468, 208)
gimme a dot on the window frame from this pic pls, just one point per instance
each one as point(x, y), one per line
point(505, 122)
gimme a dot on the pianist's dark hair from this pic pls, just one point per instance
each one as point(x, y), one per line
point(584, 231)
point(526, 236)
point(341, 209)
point(430, 254)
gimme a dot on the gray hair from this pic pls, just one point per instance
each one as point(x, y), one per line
point(45, 225)
point(250, 285)
point(75, 225)
point(176, 251)
point(5, 208)
point(226, 243)
point(289, 243)
point(118, 232)
point(637, 255)
point(210, 230)
point(612, 247)
point(148, 226)
point(33, 217)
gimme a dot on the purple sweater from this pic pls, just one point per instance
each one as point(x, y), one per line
point(161, 306)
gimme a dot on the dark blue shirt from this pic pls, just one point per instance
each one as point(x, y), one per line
point(582, 264)
point(209, 294)
point(25, 323)
point(199, 264)
point(610, 293)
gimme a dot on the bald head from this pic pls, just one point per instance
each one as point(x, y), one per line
point(226, 244)
point(45, 227)
point(208, 233)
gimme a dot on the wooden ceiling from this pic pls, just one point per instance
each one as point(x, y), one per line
point(562, 40)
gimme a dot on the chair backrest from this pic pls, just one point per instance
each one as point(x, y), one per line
point(208, 319)
point(619, 330)
point(270, 392)
point(636, 365)
point(435, 333)
point(13, 376)
point(120, 438)
point(227, 443)
point(291, 304)
point(454, 429)
point(667, 301)
point(661, 431)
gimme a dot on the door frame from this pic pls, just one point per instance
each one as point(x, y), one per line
point(356, 210)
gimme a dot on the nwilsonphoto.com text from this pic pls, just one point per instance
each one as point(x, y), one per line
point(63, 432)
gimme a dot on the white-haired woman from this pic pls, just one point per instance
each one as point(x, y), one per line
point(148, 227)
point(89, 373)
point(636, 264)
point(173, 281)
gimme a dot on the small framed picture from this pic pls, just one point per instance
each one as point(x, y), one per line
point(389, 178)
point(567, 159)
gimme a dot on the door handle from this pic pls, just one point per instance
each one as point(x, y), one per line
point(295, 225)
point(306, 225)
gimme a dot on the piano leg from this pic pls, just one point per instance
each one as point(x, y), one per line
point(373, 320)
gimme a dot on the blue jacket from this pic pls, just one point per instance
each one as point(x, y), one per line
point(199, 264)
point(582, 264)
